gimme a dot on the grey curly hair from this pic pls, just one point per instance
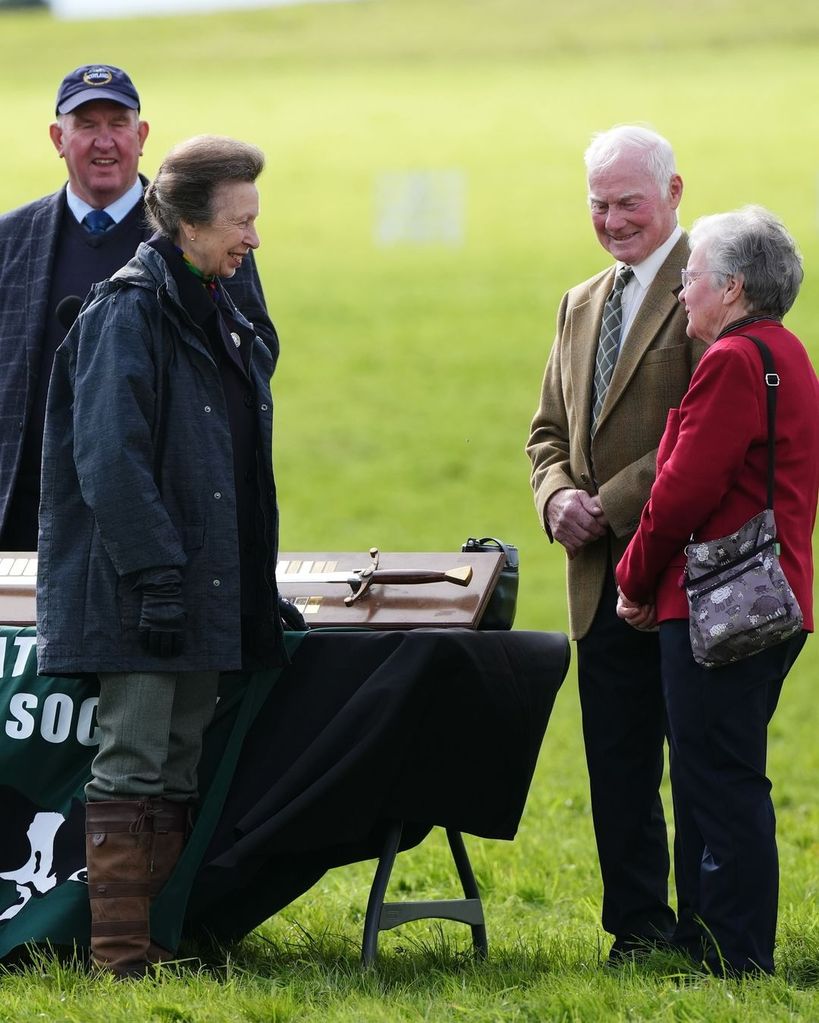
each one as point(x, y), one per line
point(753, 243)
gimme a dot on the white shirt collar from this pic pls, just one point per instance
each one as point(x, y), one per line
point(118, 209)
point(644, 274)
point(646, 271)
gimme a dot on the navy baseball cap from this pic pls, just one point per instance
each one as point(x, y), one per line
point(96, 81)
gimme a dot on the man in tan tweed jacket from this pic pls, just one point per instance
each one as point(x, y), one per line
point(589, 492)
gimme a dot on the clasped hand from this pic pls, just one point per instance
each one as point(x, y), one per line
point(575, 518)
point(640, 616)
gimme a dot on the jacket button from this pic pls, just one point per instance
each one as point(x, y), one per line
point(217, 496)
point(584, 477)
point(207, 408)
point(217, 582)
point(263, 408)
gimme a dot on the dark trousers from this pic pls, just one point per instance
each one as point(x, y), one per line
point(726, 862)
point(624, 733)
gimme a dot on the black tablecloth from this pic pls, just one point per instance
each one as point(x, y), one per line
point(433, 727)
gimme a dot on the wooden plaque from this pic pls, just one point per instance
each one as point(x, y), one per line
point(383, 606)
point(392, 606)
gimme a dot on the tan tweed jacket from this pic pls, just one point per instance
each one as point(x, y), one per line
point(651, 375)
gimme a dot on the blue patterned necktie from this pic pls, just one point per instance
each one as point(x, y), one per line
point(97, 222)
point(609, 344)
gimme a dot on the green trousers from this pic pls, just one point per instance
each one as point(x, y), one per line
point(150, 726)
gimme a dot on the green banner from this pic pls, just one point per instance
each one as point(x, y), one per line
point(48, 740)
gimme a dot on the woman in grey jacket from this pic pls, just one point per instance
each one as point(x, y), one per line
point(158, 523)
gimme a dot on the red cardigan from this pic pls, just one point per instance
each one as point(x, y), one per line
point(712, 465)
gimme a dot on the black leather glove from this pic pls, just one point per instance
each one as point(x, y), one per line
point(292, 618)
point(162, 622)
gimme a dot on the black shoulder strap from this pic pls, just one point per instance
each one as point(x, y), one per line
point(771, 384)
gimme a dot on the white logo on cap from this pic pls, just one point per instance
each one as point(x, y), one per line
point(97, 76)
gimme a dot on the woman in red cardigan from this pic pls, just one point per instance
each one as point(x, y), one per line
point(743, 275)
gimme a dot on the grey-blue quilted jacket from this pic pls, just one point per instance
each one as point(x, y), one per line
point(138, 473)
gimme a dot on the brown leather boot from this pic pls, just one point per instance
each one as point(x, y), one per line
point(172, 825)
point(119, 836)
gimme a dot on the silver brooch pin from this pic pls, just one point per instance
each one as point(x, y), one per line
point(236, 339)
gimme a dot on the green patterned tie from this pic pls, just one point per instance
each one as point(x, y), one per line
point(609, 343)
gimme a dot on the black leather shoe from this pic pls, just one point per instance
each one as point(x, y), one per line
point(632, 948)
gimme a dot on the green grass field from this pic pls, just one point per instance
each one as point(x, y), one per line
point(407, 381)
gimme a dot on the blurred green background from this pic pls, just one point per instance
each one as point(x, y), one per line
point(409, 373)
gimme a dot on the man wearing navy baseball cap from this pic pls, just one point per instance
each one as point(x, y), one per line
point(93, 82)
point(100, 136)
point(54, 249)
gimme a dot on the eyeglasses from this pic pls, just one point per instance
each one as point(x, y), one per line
point(689, 276)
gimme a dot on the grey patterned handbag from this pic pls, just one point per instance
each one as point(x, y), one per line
point(738, 597)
